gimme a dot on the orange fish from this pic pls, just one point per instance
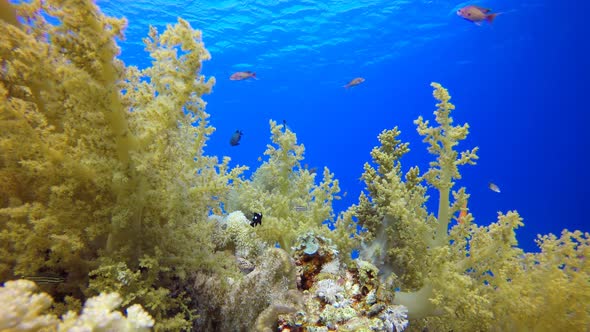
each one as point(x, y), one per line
point(462, 214)
point(354, 82)
point(477, 14)
point(242, 75)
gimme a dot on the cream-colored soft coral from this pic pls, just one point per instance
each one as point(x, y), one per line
point(98, 315)
point(235, 232)
point(23, 310)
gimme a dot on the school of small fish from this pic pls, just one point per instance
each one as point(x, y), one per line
point(472, 13)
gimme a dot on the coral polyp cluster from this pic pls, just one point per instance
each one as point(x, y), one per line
point(337, 296)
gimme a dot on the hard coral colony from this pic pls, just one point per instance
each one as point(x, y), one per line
point(107, 189)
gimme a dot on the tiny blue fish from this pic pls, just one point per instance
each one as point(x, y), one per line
point(235, 138)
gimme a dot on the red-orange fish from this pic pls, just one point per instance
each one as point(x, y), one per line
point(477, 14)
point(462, 214)
point(354, 82)
point(242, 75)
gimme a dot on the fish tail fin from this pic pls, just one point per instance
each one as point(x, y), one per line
point(490, 18)
point(253, 75)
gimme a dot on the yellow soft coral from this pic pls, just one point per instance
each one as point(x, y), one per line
point(554, 286)
point(468, 278)
point(442, 140)
point(286, 193)
point(102, 166)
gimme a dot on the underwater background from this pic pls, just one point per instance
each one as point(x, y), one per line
point(148, 193)
point(518, 82)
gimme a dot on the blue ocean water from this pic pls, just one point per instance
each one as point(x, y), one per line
point(519, 82)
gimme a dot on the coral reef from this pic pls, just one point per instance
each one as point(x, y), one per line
point(250, 300)
point(339, 297)
point(105, 188)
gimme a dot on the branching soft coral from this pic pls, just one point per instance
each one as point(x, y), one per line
point(393, 214)
point(442, 140)
point(554, 285)
point(55, 147)
point(102, 166)
point(470, 277)
point(285, 193)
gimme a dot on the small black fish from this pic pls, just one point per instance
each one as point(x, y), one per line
point(235, 138)
point(256, 219)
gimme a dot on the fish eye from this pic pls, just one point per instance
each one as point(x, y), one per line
point(468, 14)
